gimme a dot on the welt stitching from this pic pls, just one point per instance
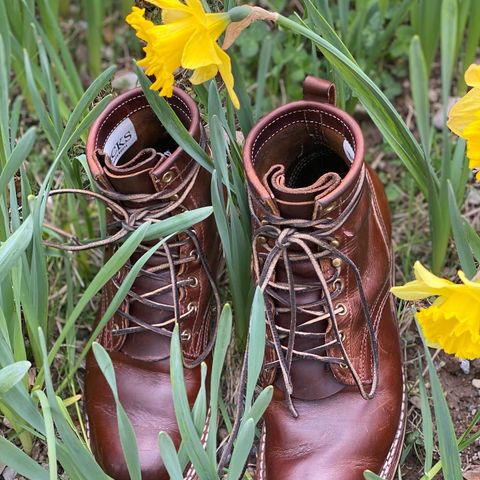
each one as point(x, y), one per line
point(398, 434)
point(262, 453)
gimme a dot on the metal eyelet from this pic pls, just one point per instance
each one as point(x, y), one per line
point(194, 254)
point(193, 282)
point(167, 177)
point(192, 307)
point(341, 334)
point(337, 262)
point(174, 197)
point(261, 239)
point(335, 242)
point(339, 284)
point(331, 207)
point(343, 310)
point(343, 366)
point(185, 335)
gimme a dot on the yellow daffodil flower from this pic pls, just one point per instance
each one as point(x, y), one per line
point(464, 117)
point(186, 38)
point(452, 322)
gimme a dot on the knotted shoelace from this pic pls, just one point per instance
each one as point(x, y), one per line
point(287, 242)
point(151, 208)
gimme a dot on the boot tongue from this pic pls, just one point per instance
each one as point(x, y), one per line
point(311, 380)
point(133, 176)
point(297, 202)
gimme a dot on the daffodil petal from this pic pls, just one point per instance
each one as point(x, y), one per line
point(203, 74)
point(414, 290)
point(169, 4)
point(216, 24)
point(430, 280)
point(472, 76)
point(199, 51)
point(197, 9)
point(141, 25)
point(472, 284)
point(170, 15)
point(464, 112)
point(426, 284)
point(225, 69)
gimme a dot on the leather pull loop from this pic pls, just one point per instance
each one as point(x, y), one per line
point(319, 90)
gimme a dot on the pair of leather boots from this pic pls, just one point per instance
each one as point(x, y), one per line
point(322, 255)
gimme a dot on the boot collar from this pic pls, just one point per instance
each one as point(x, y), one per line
point(117, 152)
point(270, 138)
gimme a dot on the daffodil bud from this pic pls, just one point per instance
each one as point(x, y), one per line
point(237, 14)
point(246, 15)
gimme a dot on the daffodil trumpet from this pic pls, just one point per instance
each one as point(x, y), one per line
point(452, 321)
point(187, 38)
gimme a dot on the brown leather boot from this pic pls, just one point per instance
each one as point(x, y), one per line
point(322, 254)
point(137, 165)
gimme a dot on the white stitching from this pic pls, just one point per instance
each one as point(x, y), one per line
point(112, 112)
point(393, 449)
point(261, 467)
point(300, 121)
point(134, 111)
point(191, 473)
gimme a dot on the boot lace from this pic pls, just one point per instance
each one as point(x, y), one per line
point(125, 219)
point(287, 242)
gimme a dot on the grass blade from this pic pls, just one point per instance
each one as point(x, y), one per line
point(427, 424)
point(20, 462)
point(125, 428)
point(463, 248)
point(50, 434)
point(263, 67)
point(256, 347)
point(17, 157)
point(169, 456)
point(190, 438)
point(419, 83)
point(14, 246)
point(12, 374)
point(241, 450)
point(224, 334)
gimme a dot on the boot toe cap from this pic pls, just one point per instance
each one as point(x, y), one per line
point(145, 394)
